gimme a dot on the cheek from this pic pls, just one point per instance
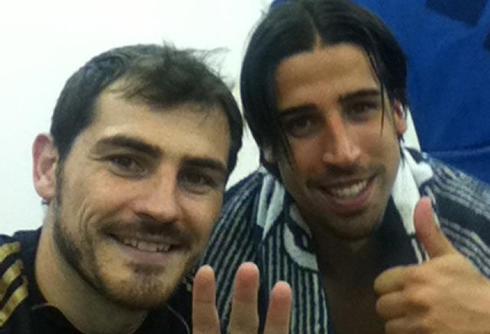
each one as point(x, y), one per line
point(307, 158)
point(201, 214)
point(110, 194)
point(377, 141)
point(91, 202)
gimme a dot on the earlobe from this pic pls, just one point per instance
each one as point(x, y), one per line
point(45, 160)
point(399, 118)
point(268, 154)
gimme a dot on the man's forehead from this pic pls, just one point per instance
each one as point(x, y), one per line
point(340, 56)
point(115, 100)
point(334, 71)
point(189, 127)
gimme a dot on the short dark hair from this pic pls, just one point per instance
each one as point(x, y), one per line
point(159, 74)
point(294, 26)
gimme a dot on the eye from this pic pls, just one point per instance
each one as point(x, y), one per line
point(198, 182)
point(301, 126)
point(126, 165)
point(363, 108)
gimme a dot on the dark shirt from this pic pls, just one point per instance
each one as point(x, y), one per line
point(23, 309)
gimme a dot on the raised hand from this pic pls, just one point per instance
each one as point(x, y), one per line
point(445, 295)
point(244, 316)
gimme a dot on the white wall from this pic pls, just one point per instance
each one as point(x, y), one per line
point(44, 42)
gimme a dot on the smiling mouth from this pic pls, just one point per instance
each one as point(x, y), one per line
point(146, 246)
point(349, 192)
point(150, 244)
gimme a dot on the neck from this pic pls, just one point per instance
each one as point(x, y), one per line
point(84, 306)
point(348, 270)
point(350, 262)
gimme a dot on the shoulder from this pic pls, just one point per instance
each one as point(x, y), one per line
point(240, 199)
point(248, 206)
point(10, 257)
point(13, 286)
point(460, 197)
point(463, 208)
point(237, 231)
point(7, 243)
point(176, 314)
point(13, 281)
point(456, 194)
point(246, 188)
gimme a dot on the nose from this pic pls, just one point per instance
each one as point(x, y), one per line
point(159, 199)
point(340, 146)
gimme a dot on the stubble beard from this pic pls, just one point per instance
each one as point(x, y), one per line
point(146, 292)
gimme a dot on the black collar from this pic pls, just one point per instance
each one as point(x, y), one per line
point(173, 318)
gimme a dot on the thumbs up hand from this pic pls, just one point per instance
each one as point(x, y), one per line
point(445, 295)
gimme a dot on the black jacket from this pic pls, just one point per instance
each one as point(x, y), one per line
point(23, 309)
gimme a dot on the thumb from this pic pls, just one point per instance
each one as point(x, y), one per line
point(428, 233)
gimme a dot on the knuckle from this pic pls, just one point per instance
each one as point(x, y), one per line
point(238, 327)
point(425, 326)
point(381, 307)
point(419, 299)
point(204, 328)
point(413, 275)
point(391, 328)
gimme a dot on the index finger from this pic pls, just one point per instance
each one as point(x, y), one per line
point(390, 280)
point(205, 319)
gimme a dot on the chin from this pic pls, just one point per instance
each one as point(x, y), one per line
point(149, 293)
point(355, 229)
point(137, 287)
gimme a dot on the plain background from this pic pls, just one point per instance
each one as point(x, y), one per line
point(44, 42)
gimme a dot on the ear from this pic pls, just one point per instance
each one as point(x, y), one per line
point(268, 154)
point(45, 160)
point(399, 118)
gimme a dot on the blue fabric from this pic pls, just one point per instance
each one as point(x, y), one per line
point(464, 11)
point(447, 43)
point(277, 2)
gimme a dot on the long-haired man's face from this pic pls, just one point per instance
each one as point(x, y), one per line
point(344, 149)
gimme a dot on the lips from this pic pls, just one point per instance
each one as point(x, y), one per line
point(147, 246)
point(348, 191)
point(147, 243)
point(348, 197)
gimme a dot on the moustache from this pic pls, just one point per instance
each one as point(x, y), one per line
point(150, 229)
point(333, 173)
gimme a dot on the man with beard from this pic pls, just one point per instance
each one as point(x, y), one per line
point(343, 211)
point(143, 139)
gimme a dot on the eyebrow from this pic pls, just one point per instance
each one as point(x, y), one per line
point(347, 98)
point(363, 93)
point(285, 113)
point(207, 163)
point(154, 151)
point(128, 142)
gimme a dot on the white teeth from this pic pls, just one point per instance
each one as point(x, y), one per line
point(349, 192)
point(163, 248)
point(133, 242)
point(146, 246)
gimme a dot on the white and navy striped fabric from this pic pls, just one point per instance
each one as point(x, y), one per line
point(260, 223)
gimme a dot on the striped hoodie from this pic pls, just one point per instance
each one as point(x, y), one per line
point(260, 223)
